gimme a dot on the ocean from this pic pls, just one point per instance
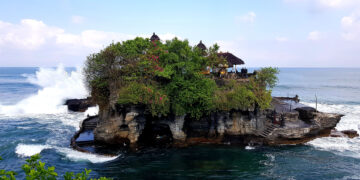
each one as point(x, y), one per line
point(33, 120)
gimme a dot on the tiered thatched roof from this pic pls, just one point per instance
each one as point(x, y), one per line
point(201, 46)
point(154, 37)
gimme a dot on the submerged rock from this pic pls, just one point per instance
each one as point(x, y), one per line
point(346, 133)
point(350, 133)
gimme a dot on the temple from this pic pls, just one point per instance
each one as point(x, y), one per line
point(221, 70)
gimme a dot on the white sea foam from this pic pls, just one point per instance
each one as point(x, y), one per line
point(74, 155)
point(340, 146)
point(27, 150)
point(351, 120)
point(249, 147)
point(92, 111)
point(56, 85)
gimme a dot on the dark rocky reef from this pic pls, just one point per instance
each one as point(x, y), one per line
point(346, 133)
point(79, 105)
point(287, 122)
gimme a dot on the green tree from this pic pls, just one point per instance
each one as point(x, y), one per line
point(167, 78)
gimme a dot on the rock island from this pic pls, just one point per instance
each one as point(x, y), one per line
point(168, 93)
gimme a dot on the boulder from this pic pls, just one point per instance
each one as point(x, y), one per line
point(306, 113)
point(79, 105)
point(346, 133)
point(350, 133)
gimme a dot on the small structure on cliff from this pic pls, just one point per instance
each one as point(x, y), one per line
point(201, 46)
point(154, 37)
point(221, 70)
point(231, 59)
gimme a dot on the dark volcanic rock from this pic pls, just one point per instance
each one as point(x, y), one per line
point(133, 125)
point(79, 105)
point(198, 128)
point(346, 133)
point(350, 133)
point(306, 113)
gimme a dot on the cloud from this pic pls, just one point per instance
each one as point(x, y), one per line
point(29, 34)
point(327, 4)
point(314, 36)
point(92, 39)
point(32, 34)
point(77, 19)
point(32, 42)
point(351, 26)
point(166, 36)
point(337, 3)
point(247, 18)
point(281, 39)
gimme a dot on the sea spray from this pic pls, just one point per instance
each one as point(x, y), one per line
point(55, 86)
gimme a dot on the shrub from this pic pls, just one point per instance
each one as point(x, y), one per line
point(155, 98)
point(34, 169)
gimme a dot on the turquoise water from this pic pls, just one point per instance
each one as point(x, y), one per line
point(32, 120)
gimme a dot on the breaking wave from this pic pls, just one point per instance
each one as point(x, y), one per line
point(339, 145)
point(27, 150)
point(55, 86)
point(24, 150)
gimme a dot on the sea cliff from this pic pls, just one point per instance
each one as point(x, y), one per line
point(131, 126)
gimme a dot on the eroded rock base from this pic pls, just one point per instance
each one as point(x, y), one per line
point(288, 122)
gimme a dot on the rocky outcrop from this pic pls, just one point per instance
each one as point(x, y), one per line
point(306, 113)
point(302, 131)
point(346, 133)
point(79, 105)
point(350, 133)
point(133, 125)
point(121, 127)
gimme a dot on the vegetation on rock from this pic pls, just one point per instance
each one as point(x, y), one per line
point(167, 78)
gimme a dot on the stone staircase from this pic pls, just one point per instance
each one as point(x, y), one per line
point(267, 130)
point(90, 124)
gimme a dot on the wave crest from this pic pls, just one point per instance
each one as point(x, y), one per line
point(27, 150)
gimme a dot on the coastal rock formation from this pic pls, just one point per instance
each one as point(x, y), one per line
point(133, 126)
point(346, 133)
point(350, 133)
point(79, 105)
point(120, 127)
point(302, 131)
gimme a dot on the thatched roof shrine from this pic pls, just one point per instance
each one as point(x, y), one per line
point(231, 59)
point(154, 37)
point(201, 46)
